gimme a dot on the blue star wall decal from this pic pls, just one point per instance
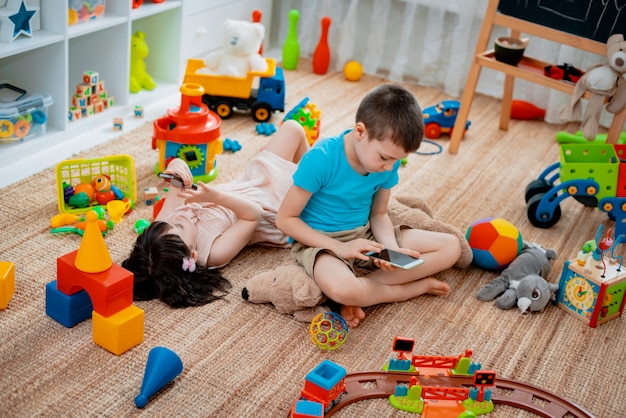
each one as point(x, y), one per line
point(16, 20)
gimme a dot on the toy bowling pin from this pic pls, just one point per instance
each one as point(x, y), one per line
point(321, 56)
point(256, 18)
point(524, 110)
point(162, 367)
point(291, 47)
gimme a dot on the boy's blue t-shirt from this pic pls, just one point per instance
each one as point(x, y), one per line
point(341, 198)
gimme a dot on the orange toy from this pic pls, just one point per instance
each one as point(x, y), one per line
point(87, 188)
point(321, 56)
point(7, 283)
point(524, 110)
point(256, 18)
point(190, 132)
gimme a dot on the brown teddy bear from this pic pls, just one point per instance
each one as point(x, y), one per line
point(292, 291)
point(602, 80)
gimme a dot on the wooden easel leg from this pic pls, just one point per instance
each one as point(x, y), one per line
point(466, 102)
point(507, 101)
point(616, 127)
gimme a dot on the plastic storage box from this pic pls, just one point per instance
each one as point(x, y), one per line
point(70, 173)
point(84, 10)
point(23, 114)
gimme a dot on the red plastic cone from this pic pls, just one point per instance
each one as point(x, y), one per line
point(162, 367)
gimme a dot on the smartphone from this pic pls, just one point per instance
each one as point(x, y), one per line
point(396, 259)
point(175, 180)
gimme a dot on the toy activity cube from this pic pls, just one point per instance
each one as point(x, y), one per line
point(120, 169)
point(23, 114)
point(591, 293)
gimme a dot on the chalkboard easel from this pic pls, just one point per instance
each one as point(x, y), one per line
point(528, 69)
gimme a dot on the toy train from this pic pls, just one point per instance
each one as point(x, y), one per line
point(433, 386)
point(323, 388)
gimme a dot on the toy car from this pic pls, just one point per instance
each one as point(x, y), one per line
point(440, 118)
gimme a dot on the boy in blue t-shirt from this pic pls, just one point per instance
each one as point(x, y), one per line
point(336, 210)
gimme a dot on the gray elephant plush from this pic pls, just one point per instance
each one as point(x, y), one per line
point(523, 282)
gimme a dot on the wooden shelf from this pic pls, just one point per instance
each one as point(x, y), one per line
point(529, 69)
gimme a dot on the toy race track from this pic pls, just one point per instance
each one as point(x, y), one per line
point(375, 384)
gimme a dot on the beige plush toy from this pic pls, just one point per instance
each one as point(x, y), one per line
point(602, 80)
point(240, 53)
point(292, 291)
point(289, 289)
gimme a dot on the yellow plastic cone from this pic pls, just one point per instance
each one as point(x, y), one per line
point(93, 255)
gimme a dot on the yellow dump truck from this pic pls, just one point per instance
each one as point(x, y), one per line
point(224, 94)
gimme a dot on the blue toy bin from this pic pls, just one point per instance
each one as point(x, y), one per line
point(23, 113)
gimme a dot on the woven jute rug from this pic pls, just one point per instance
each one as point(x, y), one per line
point(242, 359)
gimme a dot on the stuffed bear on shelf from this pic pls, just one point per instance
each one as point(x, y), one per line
point(240, 53)
point(602, 80)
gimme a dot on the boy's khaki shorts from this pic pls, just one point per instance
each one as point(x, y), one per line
point(306, 256)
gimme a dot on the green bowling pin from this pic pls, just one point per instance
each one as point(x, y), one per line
point(291, 47)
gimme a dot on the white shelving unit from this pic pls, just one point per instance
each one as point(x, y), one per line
point(53, 60)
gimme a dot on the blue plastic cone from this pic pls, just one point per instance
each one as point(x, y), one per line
point(162, 367)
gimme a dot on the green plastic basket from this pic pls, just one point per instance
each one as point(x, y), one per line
point(120, 169)
point(595, 161)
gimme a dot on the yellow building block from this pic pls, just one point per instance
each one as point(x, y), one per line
point(119, 332)
point(7, 283)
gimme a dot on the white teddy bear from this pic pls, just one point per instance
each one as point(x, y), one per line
point(242, 41)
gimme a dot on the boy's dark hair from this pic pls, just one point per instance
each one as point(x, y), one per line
point(157, 260)
point(390, 110)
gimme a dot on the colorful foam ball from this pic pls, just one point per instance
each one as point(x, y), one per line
point(495, 242)
point(328, 331)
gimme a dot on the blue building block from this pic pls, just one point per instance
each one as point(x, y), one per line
point(326, 374)
point(265, 128)
point(401, 390)
point(231, 145)
point(400, 365)
point(69, 310)
point(309, 408)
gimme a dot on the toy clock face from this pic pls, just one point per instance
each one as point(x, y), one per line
point(579, 293)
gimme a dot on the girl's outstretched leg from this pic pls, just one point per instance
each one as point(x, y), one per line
point(289, 142)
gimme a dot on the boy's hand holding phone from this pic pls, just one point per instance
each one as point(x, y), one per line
point(394, 258)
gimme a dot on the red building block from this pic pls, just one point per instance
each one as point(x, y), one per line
point(110, 291)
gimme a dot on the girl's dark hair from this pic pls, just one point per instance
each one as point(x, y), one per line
point(391, 110)
point(157, 263)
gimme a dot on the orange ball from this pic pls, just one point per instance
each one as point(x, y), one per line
point(87, 188)
point(353, 71)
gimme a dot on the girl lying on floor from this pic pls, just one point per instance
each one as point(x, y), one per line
point(176, 258)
